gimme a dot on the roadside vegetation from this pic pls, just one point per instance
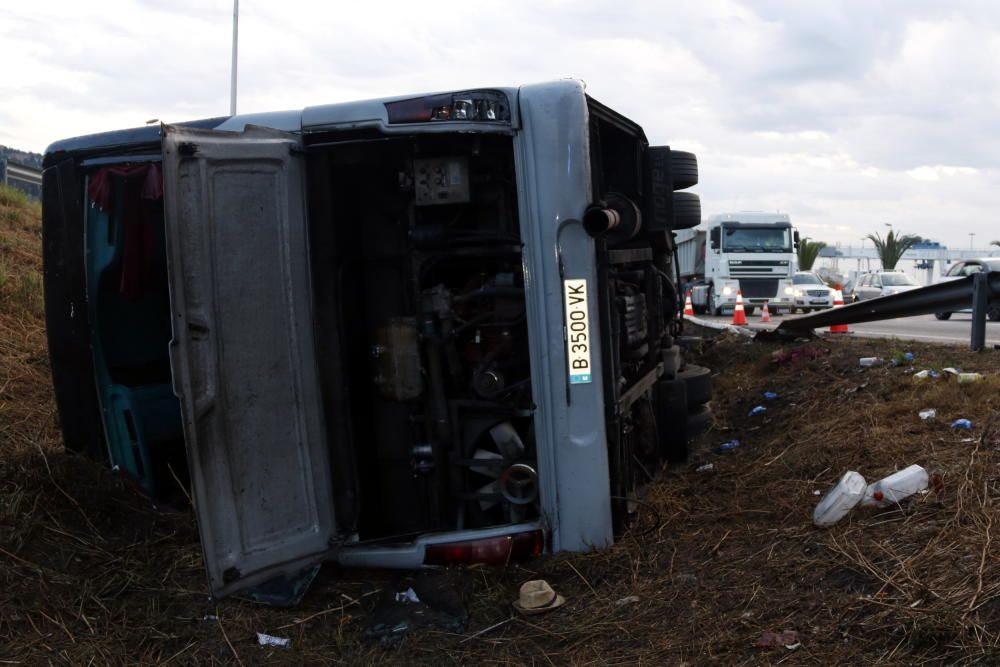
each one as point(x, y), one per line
point(807, 252)
point(891, 248)
point(92, 573)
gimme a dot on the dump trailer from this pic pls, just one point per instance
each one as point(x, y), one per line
point(409, 331)
point(748, 252)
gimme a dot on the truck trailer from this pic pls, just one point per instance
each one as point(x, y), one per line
point(409, 331)
point(748, 252)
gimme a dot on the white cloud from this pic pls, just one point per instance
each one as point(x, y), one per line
point(846, 114)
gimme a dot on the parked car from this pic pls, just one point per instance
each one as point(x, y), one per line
point(882, 283)
point(811, 293)
point(970, 267)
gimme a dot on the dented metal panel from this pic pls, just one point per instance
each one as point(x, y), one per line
point(242, 353)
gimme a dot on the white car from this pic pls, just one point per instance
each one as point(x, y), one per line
point(968, 268)
point(883, 283)
point(811, 293)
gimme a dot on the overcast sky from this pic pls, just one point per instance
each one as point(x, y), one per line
point(846, 115)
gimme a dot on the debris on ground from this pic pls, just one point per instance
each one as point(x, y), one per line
point(788, 639)
point(629, 599)
point(896, 487)
point(963, 424)
point(968, 378)
point(705, 467)
point(759, 410)
point(431, 600)
point(270, 640)
point(770, 395)
point(866, 362)
point(929, 413)
point(537, 597)
point(728, 446)
point(925, 374)
point(840, 500)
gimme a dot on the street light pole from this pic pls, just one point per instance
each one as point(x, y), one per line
point(232, 79)
point(972, 235)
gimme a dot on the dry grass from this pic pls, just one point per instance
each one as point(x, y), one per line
point(90, 573)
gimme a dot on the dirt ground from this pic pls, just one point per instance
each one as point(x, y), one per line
point(91, 573)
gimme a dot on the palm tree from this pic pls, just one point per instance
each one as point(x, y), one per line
point(892, 248)
point(807, 252)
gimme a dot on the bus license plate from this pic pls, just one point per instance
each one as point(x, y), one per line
point(577, 331)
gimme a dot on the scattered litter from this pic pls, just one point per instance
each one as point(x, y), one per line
point(908, 356)
point(966, 378)
point(962, 423)
point(786, 639)
point(268, 640)
point(804, 352)
point(895, 487)
point(921, 375)
point(441, 607)
point(871, 361)
point(840, 500)
point(770, 395)
point(537, 597)
point(759, 410)
point(209, 617)
point(705, 467)
point(409, 596)
point(953, 371)
point(929, 413)
point(817, 492)
point(627, 600)
point(729, 446)
point(937, 483)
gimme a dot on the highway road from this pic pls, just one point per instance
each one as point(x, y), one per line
point(921, 328)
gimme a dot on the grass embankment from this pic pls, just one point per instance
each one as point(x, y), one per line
point(90, 573)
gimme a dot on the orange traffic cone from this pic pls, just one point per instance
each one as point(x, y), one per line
point(838, 300)
point(688, 307)
point(739, 317)
point(765, 314)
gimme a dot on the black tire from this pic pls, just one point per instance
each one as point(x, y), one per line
point(683, 169)
point(942, 316)
point(671, 420)
point(698, 384)
point(993, 314)
point(687, 210)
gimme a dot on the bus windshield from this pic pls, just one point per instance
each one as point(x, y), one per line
point(756, 239)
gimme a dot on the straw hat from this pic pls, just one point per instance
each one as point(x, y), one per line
point(537, 597)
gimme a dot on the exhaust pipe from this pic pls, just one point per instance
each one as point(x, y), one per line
point(615, 219)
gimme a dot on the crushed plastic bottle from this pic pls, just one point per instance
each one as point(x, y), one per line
point(729, 446)
point(922, 375)
point(770, 396)
point(962, 424)
point(929, 413)
point(967, 378)
point(952, 371)
point(840, 500)
point(895, 487)
point(759, 410)
point(705, 467)
point(908, 356)
point(870, 361)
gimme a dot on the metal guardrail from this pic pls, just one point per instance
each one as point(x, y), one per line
point(976, 292)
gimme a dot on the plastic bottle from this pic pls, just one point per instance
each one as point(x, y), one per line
point(840, 500)
point(728, 446)
point(965, 378)
point(895, 487)
point(962, 423)
point(870, 361)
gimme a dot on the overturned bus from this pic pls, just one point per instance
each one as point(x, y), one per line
point(392, 333)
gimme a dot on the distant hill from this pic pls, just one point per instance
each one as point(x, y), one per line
point(21, 157)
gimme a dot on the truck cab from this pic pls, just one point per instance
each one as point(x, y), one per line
point(748, 252)
point(391, 333)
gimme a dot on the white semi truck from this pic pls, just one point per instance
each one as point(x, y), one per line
point(752, 252)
